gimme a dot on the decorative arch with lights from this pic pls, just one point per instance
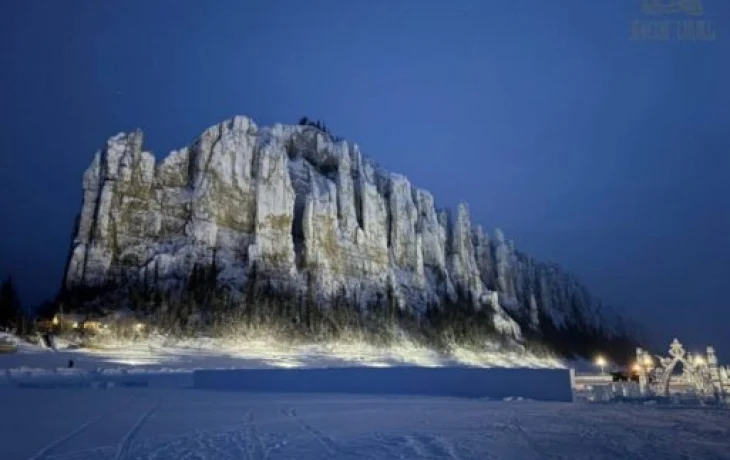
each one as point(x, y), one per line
point(694, 368)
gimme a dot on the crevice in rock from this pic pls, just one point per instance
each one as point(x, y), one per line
point(297, 230)
point(290, 148)
point(213, 145)
point(193, 153)
point(444, 218)
point(420, 212)
point(358, 206)
point(357, 191)
point(329, 170)
point(388, 218)
point(255, 184)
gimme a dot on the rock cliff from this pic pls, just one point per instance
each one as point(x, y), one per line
point(302, 209)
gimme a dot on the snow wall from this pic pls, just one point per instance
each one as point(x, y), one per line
point(496, 383)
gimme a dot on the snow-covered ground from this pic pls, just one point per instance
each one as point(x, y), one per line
point(137, 401)
point(157, 353)
point(174, 424)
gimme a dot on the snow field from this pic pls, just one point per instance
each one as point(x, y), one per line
point(137, 401)
point(173, 424)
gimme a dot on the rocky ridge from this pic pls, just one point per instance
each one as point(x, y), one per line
point(302, 209)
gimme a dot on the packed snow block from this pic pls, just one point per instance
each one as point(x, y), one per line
point(496, 383)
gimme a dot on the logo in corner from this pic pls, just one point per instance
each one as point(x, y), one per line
point(666, 7)
point(672, 20)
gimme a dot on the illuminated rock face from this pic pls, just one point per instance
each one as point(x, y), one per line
point(298, 207)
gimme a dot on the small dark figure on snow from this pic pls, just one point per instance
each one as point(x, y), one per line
point(70, 363)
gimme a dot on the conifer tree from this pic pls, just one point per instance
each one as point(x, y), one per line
point(11, 314)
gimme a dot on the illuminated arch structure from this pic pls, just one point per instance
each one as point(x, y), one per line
point(702, 373)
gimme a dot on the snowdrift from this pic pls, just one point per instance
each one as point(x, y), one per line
point(496, 383)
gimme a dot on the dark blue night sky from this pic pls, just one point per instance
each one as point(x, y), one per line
point(606, 155)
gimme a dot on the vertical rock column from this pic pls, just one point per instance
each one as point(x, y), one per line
point(117, 192)
point(464, 270)
point(273, 247)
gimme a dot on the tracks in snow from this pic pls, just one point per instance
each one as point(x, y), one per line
point(327, 442)
point(416, 445)
point(79, 429)
point(253, 446)
point(125, 444)
point(431, 447)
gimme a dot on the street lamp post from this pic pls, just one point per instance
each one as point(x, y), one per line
point(601, 362)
